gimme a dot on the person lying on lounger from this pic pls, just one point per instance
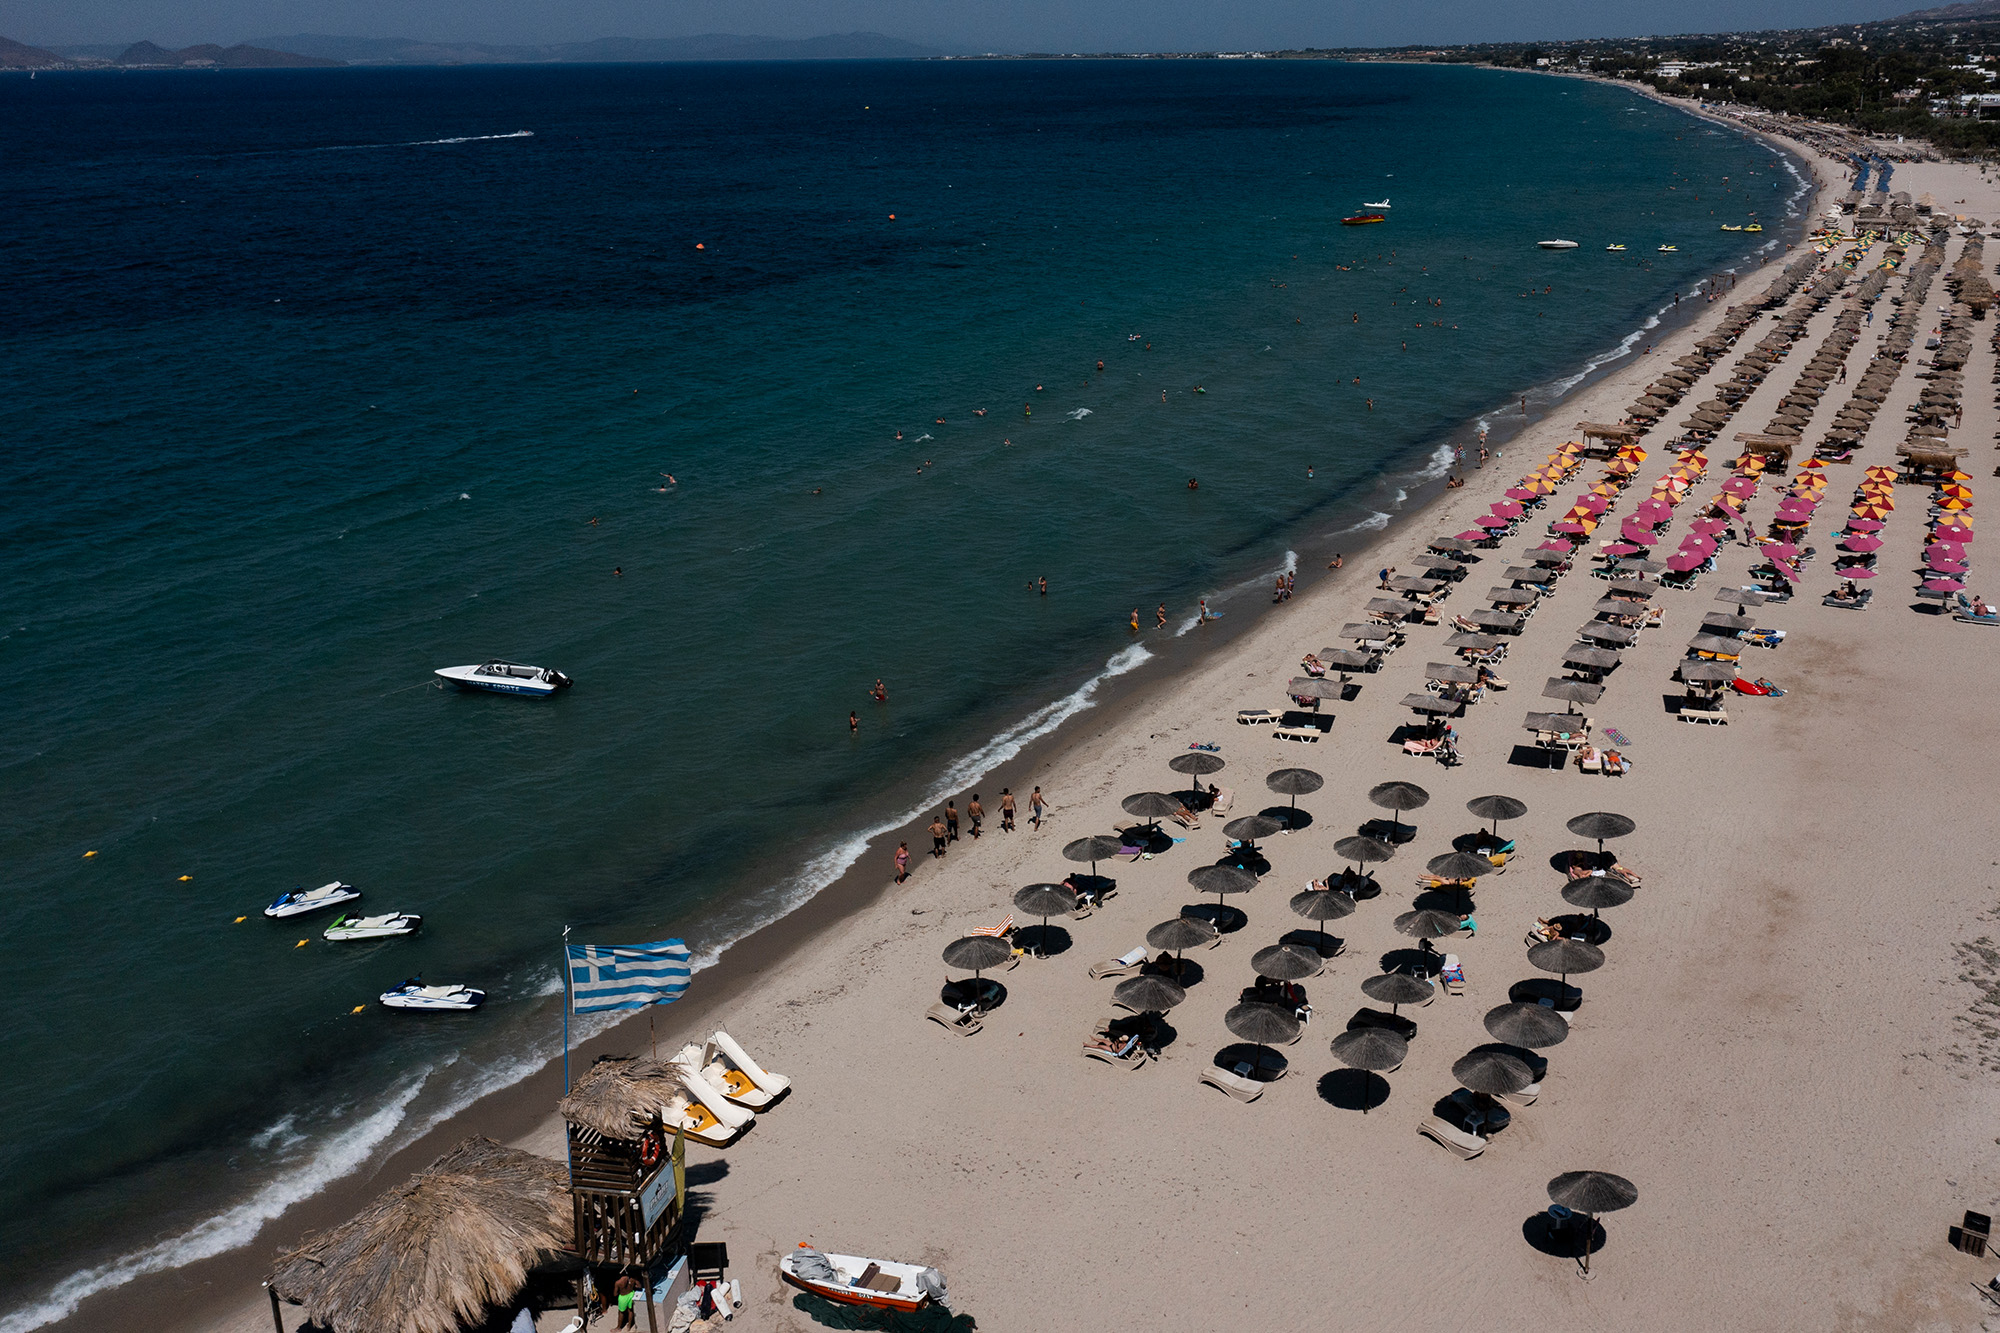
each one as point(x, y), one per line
point(1979, 606)
point(1118, 1046)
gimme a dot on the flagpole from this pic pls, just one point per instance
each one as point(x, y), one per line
point(567, 1000)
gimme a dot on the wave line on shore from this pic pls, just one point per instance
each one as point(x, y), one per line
point(233, 1227)
point(1290, 565)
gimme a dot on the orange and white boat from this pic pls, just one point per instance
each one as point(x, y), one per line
point(850, 1279)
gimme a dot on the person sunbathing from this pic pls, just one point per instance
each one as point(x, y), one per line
point(1588, 754)
point(1118, 1046)
point(1312, 666)
point(1979, 606)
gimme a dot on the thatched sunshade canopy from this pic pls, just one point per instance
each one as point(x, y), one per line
point(440, 1252)
point(1598, 431)
point(619, 1096)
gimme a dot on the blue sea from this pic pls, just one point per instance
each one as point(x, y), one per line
point(314, 381)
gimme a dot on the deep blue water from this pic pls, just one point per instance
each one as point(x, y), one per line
point(313, 381)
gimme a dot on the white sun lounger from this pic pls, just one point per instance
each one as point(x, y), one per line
point(1124, 965)
point(964, 1024)
point(1451, 1136)
point(1242, 1089)
point(1525, 1097)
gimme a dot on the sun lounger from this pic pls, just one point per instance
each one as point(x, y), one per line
point(1256, 717)
point(1224, 798)
point(1423, 748)
point(1006, 927)
point(1525, 1097)
point(1452, 977)
point(1303, 735)
point(1124, 965)
point(1130, 1051)
point(964, 1024)
point(1590, 763)
point(1242, 1089)
point(1451, 1136)
point(1715, 717)
point(1365, 1017)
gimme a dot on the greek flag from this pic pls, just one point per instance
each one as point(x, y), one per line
point(626, 976)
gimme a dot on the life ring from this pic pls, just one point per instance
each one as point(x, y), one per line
point(649, 1151)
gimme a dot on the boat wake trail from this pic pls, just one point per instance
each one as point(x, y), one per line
point(334, 1158)
point(420, 143)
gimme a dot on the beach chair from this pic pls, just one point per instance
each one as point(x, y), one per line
point(1124, 965)
point(964, 1024)
point(1423, 748)
point(1589, 762)
point(1006, 927)
point(1303, 735)
point(1129, 1053)
point(1256, 717)
point(1224, 798)
point(1465, 1144)
point(1242, 1089)
point(1187, 818)
point(1452, 976)
point(1525, 1097)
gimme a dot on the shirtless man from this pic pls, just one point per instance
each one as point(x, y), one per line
point(1006, 810)
point(937, 835)
point(976, 813)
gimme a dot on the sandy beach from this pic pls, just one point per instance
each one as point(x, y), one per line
point(1781, 1052)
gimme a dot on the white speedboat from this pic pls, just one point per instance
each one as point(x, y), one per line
point(302, 900)
point(414, 994)
point(1557, 245)
point(1619, 248)
point(506, 678)
point(382, 927)
point(1383, 204)
point(849, 1279)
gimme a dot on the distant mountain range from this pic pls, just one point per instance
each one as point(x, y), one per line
point(145, 55)
point(306, 50)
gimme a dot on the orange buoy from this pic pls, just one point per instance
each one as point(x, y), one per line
point(699, 246)
point(88, 855)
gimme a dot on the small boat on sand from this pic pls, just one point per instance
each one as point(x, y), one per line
point(506, 678)
point(414, 994)
point(849, 1279)
point(302, 900)
point(384, 926)
point(1557, 245)
point(1362, 219)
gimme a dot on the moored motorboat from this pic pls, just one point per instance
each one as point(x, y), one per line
point(1372, 207)
point(506, 678)
point(1556, 245)
point(850, 1279)
point(1362, 219)
point(1668, 249)
point(414, 994)
point(381, 927)
point(302, 900)
point(1615, 247)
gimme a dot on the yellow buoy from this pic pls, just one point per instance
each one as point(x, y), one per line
point(241, 919)
point(300, 945)
point(186, 878)
point(88, 855)
point(357, 1008)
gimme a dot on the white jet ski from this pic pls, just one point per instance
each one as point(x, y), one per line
point(302, 900)
point(381, 927)
point(414, 994)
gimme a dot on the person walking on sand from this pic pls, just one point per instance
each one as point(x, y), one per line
point(937, 835)
point(1006, 810)
point(950, 821)
point(976, 813)
point(902, 861)
point(1035, 806)
point(624, 1294)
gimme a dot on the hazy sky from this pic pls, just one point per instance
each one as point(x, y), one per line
point(961, 25)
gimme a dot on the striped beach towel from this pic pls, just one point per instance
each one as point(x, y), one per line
point(626, 976)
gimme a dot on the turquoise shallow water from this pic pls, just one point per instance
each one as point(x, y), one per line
point(314, 381)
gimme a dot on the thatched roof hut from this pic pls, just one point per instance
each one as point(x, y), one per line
point(438, 1253)
point(619, 1096)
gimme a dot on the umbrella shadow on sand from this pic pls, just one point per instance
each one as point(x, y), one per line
point(1273, 1064)
point(1147, 838)
point(1536, 989)
point(1457, 901)
point(1247, 858)
point(1411, 960)
point(1584, 926)
point(1395, 833)
point(989, 993)
point(1326, 946)
point(1226, 919)
point(1561, 861)
point(1353, 1089)
point(1290, 816)
point(1563, 1242)
point(1046, 941)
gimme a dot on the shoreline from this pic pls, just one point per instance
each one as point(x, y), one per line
point(193, 1294)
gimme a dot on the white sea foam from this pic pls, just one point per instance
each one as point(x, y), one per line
point(1375, 522)
point(336, 1156)
point(1079, 414)
point(1440, 464)
point(1289, 565)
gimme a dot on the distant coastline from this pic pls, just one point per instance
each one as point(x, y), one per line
point(320, 51)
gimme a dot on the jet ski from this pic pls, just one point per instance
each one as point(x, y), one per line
point(302, 900)
point(1614, 247)
point(506, 678)
point(380, 927)
point(414, 994)
point(1668, 249)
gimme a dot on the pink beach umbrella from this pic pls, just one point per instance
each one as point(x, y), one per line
point(1698, 542)
point(1739, 486)
point(1473, 535)
point(1949, 550)
point(1520, 493)
point(1706, 527)
point(1640, 537)
point(1573, 528)
point(1855, 573)
point(1557, 545)
point(1623, 549)
point(1943, 585)
point(1682, 562)
point(1952, 534)
point(1507, 509)
point(1786, 572)
point(1492, 521)
point(1782, 550)
point(1864, 525)
point(1861, 545)
point(1952, 567)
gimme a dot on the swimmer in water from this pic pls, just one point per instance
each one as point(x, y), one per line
point(899, 435)
point(979, 411)
point(670, 478)
point(1135, 620)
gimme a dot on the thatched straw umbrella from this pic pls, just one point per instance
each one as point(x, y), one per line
point(439, 1253)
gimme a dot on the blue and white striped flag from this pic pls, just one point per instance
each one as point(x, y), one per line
point(626, 976)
